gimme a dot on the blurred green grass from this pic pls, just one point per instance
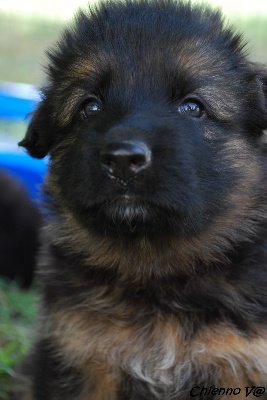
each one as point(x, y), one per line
point(254, 30)
point(17, 316)
point(22, 44)
point(24, 40)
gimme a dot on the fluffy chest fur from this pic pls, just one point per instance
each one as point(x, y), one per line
point(154, 351)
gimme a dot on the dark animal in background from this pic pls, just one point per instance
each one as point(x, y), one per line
point(20, 223)
point(153, 271)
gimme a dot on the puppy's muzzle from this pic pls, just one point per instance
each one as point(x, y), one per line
point(124, 160)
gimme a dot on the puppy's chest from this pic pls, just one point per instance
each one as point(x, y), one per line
point(157, 351)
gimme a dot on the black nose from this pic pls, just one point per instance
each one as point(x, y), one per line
point(125, 159)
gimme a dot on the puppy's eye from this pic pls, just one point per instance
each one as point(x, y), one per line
point(191, 108)
point(91, 107)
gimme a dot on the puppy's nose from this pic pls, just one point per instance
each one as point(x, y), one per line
point(125, 159)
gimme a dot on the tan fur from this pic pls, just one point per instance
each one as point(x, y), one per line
point(22, 388)
point(104, 382)
point(67, 106)
point(153, 349)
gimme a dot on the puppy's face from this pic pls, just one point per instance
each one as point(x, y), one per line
point(153, 119)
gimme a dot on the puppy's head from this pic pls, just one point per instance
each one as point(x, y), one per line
point(153, 119)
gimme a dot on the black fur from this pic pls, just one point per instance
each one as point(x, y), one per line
point(20, 223)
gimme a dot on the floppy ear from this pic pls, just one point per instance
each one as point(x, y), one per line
point(259, 101)
point(39, 135)
point(262, 74)
point(264, 83)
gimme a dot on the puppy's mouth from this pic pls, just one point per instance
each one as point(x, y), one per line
point(127, 209)
point(126, 214)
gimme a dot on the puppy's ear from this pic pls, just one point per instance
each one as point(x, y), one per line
point(39, 136)
point(261, 95)
point(264, 85)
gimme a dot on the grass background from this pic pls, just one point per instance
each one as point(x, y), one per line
point(26, 29)
point(17, 315)
point(24, 35)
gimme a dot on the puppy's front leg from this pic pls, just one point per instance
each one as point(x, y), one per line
point(47, 377)
point(53, 379)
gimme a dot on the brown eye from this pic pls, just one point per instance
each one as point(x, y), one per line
point(191, 108)
point(91, 107)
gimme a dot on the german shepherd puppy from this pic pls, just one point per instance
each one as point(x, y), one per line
point(153, 271)
point(20, 223)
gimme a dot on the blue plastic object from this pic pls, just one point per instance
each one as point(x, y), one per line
point(29, 171)
point(15, 107)
point(17, 100)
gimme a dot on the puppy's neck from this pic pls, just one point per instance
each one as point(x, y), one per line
point(138, 258)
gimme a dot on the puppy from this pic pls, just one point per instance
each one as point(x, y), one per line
point(20, 223)
point(153, 274)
